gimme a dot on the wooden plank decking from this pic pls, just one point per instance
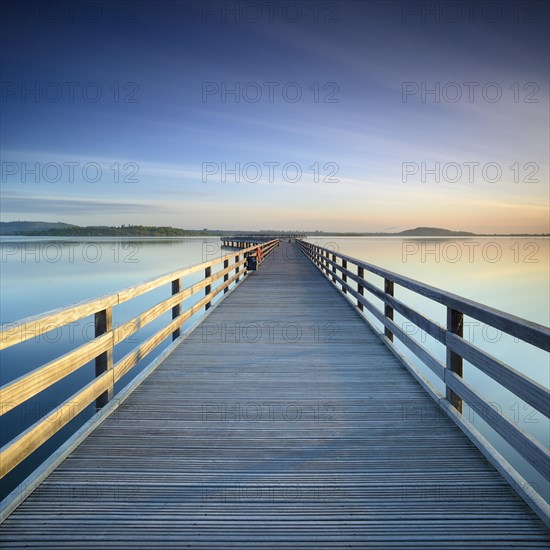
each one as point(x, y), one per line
point(281, 421)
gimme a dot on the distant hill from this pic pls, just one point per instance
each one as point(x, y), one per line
point(22, 227)
point(433, 232)
point(417, 232)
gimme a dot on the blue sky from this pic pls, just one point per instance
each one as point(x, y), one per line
point(114, 113)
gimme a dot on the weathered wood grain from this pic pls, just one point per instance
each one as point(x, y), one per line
point(530, 391)
point(28, 385)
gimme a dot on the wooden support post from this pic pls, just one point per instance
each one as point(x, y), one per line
point(176, 310)
point(103, 321)
point(344, 276)
point(207, 288)
point(360, 287)
point(237, 268)
point(226, 276)
point(455, 324)
point(388, 310)
point(333, 268)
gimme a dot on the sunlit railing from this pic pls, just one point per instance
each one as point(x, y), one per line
point(100, 348)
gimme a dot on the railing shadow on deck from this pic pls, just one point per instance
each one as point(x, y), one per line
point(340, 269)
point(100, 349)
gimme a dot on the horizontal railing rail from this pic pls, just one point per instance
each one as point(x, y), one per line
point(340, 269)
point(100, 348)
point(255, 237)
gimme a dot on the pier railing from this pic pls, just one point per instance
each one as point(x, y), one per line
point(242, 241)
point(100, 348)
point(341, 270)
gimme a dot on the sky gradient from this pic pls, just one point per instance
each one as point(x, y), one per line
point(410, 114)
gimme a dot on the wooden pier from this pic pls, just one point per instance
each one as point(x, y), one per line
point(246, 241)
point(282, 420)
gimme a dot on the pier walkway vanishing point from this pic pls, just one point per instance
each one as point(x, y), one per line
point(282, 420)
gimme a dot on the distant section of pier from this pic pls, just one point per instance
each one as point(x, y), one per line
point(245, 241)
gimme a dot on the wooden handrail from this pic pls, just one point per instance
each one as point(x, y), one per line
point(34, 326)
point(100, 349)
point(528, 331)
point(458, 348)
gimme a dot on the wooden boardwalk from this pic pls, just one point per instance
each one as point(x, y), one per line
point(281, 421)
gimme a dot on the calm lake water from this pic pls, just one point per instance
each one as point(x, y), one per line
point(511, 274)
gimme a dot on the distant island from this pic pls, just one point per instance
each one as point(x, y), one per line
point(60, 229)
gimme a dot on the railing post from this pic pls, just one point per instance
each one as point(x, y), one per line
point(226, 276)
point(360, 287)
point(103, 321)
point(388, 310)
point(344, 276)
point(237, 268)
point(207, 288)
point(333, 268)
point(176, 310)
point(455, 324)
